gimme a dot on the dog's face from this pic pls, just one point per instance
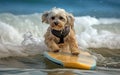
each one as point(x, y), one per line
point(57, 18)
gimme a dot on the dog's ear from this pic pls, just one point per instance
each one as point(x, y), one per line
point(45, 17)
point(70, 20)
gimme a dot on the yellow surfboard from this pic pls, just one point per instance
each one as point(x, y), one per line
point(82, 61)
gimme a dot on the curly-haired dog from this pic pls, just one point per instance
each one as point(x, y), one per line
point(60, 34)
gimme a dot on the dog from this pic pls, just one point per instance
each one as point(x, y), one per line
point(60, 35)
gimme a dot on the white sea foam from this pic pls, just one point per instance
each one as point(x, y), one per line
point(22, 35)
point(10, 40)
point(29, 46)
point(92, 38)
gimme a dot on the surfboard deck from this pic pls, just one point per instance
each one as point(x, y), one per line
point(82, 61)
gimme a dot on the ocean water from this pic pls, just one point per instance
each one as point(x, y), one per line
point(97, 26)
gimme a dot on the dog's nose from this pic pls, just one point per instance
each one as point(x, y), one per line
point(56, 23)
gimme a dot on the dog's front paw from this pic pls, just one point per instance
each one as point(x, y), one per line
point(76, 52)
point(55, 51)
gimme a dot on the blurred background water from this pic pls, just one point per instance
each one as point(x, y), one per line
point(97, 26)
point(97, 8)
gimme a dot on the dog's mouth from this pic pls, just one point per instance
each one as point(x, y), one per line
point(57, 27)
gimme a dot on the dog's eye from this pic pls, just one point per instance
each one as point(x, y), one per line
point(61, 18)
point(53, 18)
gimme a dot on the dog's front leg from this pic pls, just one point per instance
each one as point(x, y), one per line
point(52, 45)
point(73, 44)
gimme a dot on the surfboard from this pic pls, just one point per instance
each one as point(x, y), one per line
point(82, 61)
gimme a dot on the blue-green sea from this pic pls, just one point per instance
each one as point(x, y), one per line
point(97, 26)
